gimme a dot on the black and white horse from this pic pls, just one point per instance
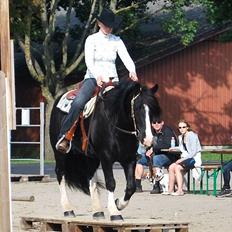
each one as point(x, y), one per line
point(121, 118)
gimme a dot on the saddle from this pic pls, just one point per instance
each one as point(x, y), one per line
point(64, 105)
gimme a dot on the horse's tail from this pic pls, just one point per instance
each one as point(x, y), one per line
point(79, 169)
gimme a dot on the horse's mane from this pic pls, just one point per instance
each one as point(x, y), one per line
point(116, 101)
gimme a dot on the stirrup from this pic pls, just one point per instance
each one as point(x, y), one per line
point(60, 140)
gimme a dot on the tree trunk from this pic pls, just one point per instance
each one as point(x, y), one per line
point(49, 155)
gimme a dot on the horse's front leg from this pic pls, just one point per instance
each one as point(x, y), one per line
point(95, 197)
point(110, 186)
point(67, 208)
point(129, 171)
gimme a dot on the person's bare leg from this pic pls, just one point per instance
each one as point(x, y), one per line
point(139, 171)
point(172, 178)
point(179, 178)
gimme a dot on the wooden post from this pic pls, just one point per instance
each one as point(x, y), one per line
point(6, 50)
point(5, 204)
point(6, 119)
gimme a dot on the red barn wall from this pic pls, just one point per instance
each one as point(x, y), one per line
point(196, 85)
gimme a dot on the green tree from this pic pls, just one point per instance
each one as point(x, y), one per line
point(53, 52)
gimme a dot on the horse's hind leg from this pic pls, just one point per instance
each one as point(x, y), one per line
point(67, 208)
point(95, 197)
point(130, 186)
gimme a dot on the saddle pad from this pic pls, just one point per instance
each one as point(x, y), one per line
point(65, 102)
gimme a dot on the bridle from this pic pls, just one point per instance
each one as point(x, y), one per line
point(136, 131)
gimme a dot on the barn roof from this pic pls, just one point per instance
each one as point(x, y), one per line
point(158, 44)
point(154, 49)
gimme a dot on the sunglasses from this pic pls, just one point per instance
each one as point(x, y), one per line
point(157, 122)
point(182, 127)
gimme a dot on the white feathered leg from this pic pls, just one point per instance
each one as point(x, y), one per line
point(67, 207)
point(114, 212)
point(95, 198)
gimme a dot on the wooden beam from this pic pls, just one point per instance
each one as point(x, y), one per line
point(5, 112)
point(23, 198)
point(5, 37)
point(7, 60)
point(5, 206)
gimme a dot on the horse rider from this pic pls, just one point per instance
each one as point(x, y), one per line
point(101, 51)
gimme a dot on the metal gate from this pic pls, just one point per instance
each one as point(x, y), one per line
point(26, 122)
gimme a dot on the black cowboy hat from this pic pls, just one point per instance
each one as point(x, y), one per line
point(109, 19)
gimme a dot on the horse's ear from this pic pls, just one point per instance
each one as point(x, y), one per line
point(155, 88)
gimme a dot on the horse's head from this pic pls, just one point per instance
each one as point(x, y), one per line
point(145, 108)
point(131, 106)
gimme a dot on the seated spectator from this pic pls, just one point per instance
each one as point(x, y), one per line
point(159, 159)
point(226, 191)
point(190, 148)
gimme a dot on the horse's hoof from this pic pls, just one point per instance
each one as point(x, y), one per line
point(69, 213)
point(98, 215)
point(117, 203)
point(116, 218)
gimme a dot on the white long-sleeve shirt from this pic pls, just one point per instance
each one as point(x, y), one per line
point(193, 147)
point(100, 55)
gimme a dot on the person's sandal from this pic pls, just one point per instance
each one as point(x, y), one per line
point(167, 193)
point(177, 194)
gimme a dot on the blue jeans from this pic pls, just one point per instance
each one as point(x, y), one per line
point(159, 161)
point(85, 93)
point(188, 164)
point(227, 168)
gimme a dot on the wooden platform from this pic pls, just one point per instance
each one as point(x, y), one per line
point(75, 225)
point(25, 178)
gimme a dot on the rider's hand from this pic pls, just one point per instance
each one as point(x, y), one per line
point(133, 76)
point(179, 161)
point(99, 81)
point(149, 152)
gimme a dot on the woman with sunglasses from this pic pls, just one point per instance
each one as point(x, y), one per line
point(190, 148)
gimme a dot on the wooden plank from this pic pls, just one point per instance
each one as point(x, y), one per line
point(5, 37)
point(7, 60)
point(25, 178)
point(23, 198)
point(75, 225)
point(5, 205)
point(210, 167)
point(26, 224)
point(6, 119)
